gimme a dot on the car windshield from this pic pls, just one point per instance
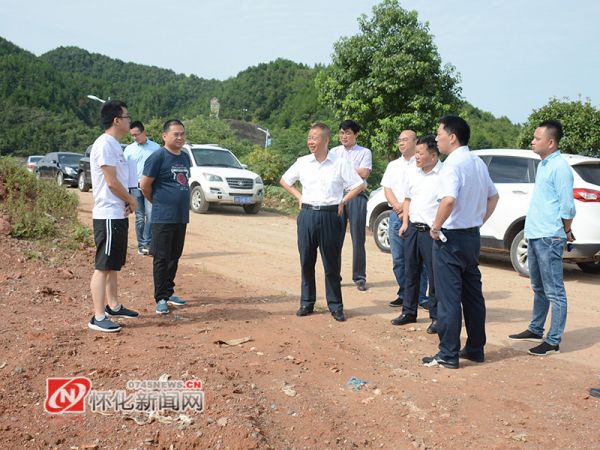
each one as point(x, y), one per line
point(34, 159)
point(69, 160)
point(589, 172)
point(215, 158)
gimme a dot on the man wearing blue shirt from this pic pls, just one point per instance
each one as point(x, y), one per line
point(548, 229)
point(165, 183)
point(139, 151)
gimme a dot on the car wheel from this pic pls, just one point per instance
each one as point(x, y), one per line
point(518, 254)
point(198, 202)
point(252, 209)
point(590, 267)
point(81, 184)
point(60, 178)
point(380, 231)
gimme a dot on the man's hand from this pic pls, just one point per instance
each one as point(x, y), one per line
point(131, 205)
point(398, 209)
point(403, 229)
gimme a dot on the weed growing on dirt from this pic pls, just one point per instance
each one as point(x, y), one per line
point(37, 209)
point(279, 200)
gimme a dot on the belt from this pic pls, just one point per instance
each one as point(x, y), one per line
point(421, 226)
point(320, 207)
point(466, 230)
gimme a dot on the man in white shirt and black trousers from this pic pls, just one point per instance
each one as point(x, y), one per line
point(467, 198)
point(420, 205)
point(324, 180)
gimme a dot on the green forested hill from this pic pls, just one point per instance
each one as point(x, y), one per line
point(44, 105)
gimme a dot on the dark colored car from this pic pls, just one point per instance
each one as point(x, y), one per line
point(84, 176)
point(59, 166)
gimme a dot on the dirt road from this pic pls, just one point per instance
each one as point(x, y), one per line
point(288, 386)
point(260, 251)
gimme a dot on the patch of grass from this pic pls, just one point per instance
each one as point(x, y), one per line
point(38, 210)
point(277, 199)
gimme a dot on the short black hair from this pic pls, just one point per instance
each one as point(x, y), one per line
point(137, 124)
point(350, 125)
point(110, 110)
point(457, 126)
point(430, 142)
point(321, 126)
point(554, 127)
point(169, 123)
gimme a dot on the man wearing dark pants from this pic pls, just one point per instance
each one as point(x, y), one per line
point(420, 206)
point(467, 199)
point(165, 184)
point(393, 182)
point(355, 211)
point(324, 180)
point(139, 151)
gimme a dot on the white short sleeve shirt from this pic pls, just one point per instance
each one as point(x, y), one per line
point(107, 151)
point(422, 190)
point(323, 183)
point(394, 176)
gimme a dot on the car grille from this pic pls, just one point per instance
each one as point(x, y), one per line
point(240, 183)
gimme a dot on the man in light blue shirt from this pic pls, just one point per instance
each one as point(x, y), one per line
point(548, 228)
point(139, 151)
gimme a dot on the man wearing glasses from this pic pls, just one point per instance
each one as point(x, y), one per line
point(355, 211)
point(112, 205)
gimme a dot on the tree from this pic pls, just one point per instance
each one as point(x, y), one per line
point(488, 131)
point(581, 124)
point(389, 77)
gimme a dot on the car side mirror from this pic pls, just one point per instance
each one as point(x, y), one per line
point(244, 166)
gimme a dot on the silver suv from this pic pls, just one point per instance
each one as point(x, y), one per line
point(513, 173)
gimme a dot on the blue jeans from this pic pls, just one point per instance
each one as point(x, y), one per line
point(544, 257)
point(397, 248)
point(143, 230)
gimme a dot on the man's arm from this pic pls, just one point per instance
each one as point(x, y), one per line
point(146, 187)
point(292, 190)
point(405, 209)
point(363, 172)
point(392, 200)
point(349, 196)
point(490, 207)
point(567, 226)
point(115, 186)
point(443, 212)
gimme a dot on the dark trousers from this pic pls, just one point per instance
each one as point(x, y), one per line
point(166, 247)
point(322, 230)
point(418, 255)
point(458, 283)
point(355, 212)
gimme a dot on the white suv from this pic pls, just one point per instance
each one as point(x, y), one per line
point(219, 178)
point(513, 173)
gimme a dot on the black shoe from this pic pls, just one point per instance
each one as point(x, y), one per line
point(526, 336)
point(424, 305)
point(432, 328)
point(397, 302)
point(304, 311)
point(338, 315)
point(464, 355)
point(123, 312)
point(432, 361)
point(544, 349)
point(361, 285)
point(403, 319)
point(595, 393)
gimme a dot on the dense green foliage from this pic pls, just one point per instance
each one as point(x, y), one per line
point(36, 209)
point(581, 124)
point(488, 131)
point(389, 77)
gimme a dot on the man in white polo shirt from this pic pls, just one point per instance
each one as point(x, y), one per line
point(324, 180)
point(112, 205)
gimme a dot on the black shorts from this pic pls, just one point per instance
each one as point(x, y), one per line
point(110, 236)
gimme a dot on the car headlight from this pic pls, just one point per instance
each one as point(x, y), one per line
point(211, 177)
point(70, 171)
point(258, 180)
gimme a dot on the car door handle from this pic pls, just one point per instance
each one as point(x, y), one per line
point(520, 192)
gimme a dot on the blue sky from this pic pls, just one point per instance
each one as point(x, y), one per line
point(513, 55)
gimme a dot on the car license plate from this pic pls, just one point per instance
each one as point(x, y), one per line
point(242, 200)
